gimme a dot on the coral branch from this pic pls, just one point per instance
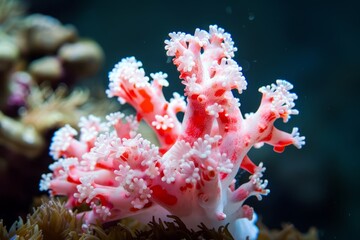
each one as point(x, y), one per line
point(129, 83)
point(118, 174)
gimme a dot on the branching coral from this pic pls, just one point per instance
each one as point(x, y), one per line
point(192, 173)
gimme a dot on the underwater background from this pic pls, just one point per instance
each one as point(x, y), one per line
point(312, 44)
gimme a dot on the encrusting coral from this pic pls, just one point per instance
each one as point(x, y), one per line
point(117, 173)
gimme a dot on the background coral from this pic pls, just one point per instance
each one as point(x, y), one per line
point(10, 9)
point(40, 61)
point(46, 49)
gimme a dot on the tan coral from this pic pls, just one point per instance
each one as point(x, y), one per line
point(82, 58)
point(45, 34)
point(10, 9)
point(288, 232)
point(20, 137)
point(46, 69)
point(47, 109)
point(9, 53)
point(49, 221)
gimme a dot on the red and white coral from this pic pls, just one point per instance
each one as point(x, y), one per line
point(192, 173)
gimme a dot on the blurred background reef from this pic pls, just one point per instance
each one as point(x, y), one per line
point(41, 60)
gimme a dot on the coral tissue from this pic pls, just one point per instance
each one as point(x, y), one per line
point(110, 167)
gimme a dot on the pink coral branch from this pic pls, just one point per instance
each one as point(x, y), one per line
point(129, 83)
point(192, 173)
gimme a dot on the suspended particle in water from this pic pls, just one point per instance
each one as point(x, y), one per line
point(251, 16)
point(228, 10)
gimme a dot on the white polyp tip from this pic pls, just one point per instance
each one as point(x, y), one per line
point(221, 216)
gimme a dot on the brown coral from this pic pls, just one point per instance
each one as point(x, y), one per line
point(10, 9)
point(49, 221)
point(288, 232)
point(47, 109)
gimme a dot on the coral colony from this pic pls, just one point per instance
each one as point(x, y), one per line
point(191, 174)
